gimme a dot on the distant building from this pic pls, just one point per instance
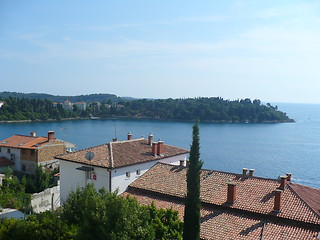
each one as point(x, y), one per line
point(81, 105)
point(67, 105)
point(1, 104)
point(114, 165)
point(236, 206)
point(23, 153)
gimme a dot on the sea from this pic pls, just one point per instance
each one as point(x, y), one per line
point(272, 149)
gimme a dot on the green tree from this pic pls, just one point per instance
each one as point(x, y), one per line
point(191, 229)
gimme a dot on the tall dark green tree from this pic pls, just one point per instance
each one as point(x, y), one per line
point(191, 229)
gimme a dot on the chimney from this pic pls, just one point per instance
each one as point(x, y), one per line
point(244, 171)
point(181, 163)
point(51, 135)
point(129, 136)
point(289, 175)
point(283, 180)
point(154, 148)
point(150, 139)
point(232, 193)
point(33, 134)
point(160, 148)
point(251, 172)
point(277, 200)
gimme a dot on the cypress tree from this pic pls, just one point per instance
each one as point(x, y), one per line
point(191, 230)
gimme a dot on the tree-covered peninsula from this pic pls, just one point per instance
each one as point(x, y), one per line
point(205, 109)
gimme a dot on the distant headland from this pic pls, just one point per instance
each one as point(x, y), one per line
point(45, 107)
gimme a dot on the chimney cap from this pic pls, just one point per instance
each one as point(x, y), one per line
point(283, 177)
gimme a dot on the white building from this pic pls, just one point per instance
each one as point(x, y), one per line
point(67, 105)
point(114, 165)
point(23, 153)
point(1, 104)
point(80, 105)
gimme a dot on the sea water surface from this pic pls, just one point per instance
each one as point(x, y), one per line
point(270, 149)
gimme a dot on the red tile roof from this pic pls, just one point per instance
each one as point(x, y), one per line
point(5, 162)
point(166, 185)
point(21, 141)
point(121, 153)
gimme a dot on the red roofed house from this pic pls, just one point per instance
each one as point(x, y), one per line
point(236, 206)
point(114, 165)
point(25, 152)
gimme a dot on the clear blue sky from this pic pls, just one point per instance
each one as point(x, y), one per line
point(233, 49)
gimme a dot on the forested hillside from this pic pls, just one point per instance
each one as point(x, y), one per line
point(80, 98)
point(190, 109)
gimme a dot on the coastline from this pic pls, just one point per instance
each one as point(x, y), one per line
point(146, 118)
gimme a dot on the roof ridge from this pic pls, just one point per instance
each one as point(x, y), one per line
point(111, 154)
point(132, 140)
point(301, 198)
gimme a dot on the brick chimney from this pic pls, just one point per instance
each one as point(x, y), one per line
point(277, 200)
point(51, 135)
point(150, 139)
point(154, 148)
point(244, 171)
point(283, 180)
point(33, 134)
point(251, 172)
point(160, 150)
point(232, 193)
point(289, 176)
point(129, 136)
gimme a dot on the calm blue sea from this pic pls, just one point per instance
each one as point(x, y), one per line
point(271, 149)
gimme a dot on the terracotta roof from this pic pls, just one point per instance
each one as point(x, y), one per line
point(121, 153)
point(22, 141)
point(5, 162)
point(217, 223)
point(166, 185)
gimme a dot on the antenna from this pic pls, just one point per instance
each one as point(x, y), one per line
point(115, 131)
point(89, 156)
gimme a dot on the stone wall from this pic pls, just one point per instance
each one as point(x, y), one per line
point(47, 200)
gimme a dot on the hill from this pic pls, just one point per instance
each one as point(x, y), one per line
point(54, 98)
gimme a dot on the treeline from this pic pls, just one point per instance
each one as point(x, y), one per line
point(32, 109)
point(88, 214)
point(212, 109)
point(100, 97)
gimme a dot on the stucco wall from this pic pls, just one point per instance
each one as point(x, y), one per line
point(119, 180)
point(46, 200)
point(71, 178)
point(16, 152)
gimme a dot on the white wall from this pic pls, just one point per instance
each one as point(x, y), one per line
point(7, 155)
point(119, 180)
point(71, 178)
point(44, 200)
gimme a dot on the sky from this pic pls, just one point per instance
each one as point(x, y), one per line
point(266, 49)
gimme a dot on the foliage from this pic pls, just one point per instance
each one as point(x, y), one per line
point(13, 195)
point(41, 180)
point(88, 214)
point(191, 228)
point(47, 225)
point(212, 109)
point(102, 215)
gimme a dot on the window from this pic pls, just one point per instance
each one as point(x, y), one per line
point(23, 168)
point(8, 150)
point(127, 174)
point(138, 172)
